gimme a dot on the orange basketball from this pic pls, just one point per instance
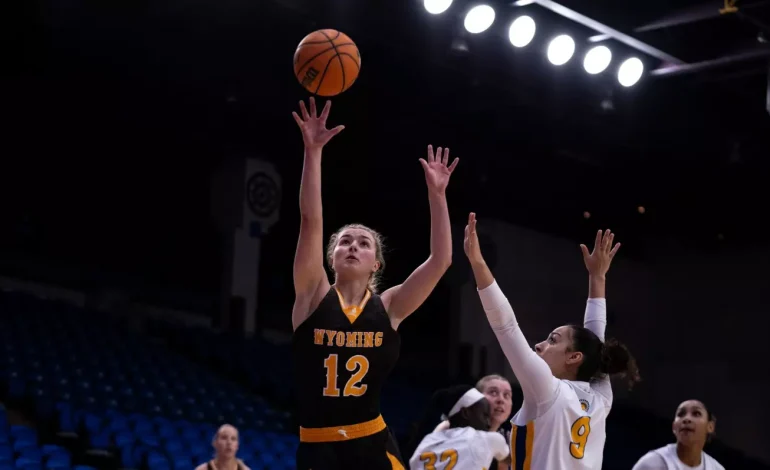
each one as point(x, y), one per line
point(327, 62)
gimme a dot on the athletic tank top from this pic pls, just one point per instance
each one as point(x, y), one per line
point(668, 453)
point(210, 466)
point(341, 360)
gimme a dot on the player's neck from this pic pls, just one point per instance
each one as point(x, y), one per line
point(352, 291)
point(225, 463)
point(689, 455)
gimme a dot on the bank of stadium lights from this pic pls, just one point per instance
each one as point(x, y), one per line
point(630, 72)
point(479, 19)
point(560, 50)
point(597, 60)
point(522, 31)
point(436, 7)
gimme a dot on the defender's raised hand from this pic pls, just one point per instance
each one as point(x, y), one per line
point(471, 241)
point(599, 260)
point(313, 127)
point(437, 172)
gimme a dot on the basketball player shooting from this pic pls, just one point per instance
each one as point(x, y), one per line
point(345, 340)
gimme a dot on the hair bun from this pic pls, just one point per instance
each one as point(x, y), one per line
point(617, 360)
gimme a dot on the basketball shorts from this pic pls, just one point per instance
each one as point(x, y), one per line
point(376, 452)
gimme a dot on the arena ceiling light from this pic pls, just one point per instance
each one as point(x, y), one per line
point(436, 7)
point(479, 19)
point(560, 50)
point(522, 31)
point(630, 72)
point(597, 60)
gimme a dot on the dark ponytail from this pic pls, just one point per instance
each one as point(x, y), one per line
point(616, 359)
point(599, 359)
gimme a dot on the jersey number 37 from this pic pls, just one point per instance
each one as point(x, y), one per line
point(358, 365)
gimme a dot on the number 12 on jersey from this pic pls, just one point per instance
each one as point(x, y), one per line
point(358, 365)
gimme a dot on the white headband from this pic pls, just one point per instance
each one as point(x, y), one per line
point(468, 399)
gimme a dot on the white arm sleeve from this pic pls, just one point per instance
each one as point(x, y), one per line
point(537, 382)
point(596, 321)
point(497, 445)
point(650, 461)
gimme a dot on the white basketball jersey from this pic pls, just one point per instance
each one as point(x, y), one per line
point(570, 435)
point(673, 463)
point(458, 449)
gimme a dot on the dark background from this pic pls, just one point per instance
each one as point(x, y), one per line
point(117, 114)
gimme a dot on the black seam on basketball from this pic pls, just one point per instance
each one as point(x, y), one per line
point(313, 58)
point(328, 62)
point(310, 43)
point(358, 66)
point(342, 66)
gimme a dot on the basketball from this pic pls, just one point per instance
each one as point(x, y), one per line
point(327, 62)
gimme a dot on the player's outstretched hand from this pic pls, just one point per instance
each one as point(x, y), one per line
point(599, 260)
point(313, 127)
point(471, 241)
point(437, 172)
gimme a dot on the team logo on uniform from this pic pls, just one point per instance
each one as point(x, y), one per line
point(584, 404)
point(262, 194)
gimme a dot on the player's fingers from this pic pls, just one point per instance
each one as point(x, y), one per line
point(336, 130)
point(430, 158)
point(439, 154)
point(584, 250)
point(606, 239)
point(313, 110)
point(325, 111)
point(297, 119)
point(453, 165)
point(609, 242)
point(445, 160)
point(598, 241)
point(614, 250)
point(424, 164)
point(303, 110)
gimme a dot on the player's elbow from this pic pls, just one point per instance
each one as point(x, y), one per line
point(441, 261)
point(307, 215)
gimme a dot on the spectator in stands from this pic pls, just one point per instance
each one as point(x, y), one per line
point(225, 444)
point(693, 427)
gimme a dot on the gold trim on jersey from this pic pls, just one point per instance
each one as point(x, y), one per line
point(342, 433)
point(353, 311)
point(394, 463)
point(521, 446)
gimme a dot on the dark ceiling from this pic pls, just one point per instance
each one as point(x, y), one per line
point(120, 111)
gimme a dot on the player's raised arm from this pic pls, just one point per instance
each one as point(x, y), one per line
point(401, 300)
point(598, 263)
point(537, 381)
point(309, 273)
